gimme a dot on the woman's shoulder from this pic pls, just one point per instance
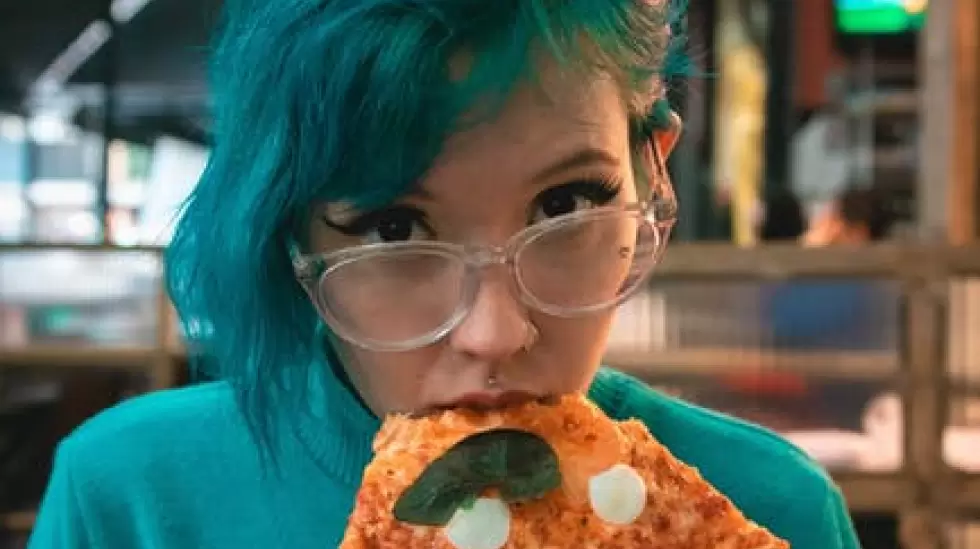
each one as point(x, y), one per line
point(155, 429)
point(147, 457)
point(689, 430)
point(161, 413)
point(773, 482)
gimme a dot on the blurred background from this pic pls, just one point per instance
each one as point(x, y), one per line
point(824, 279)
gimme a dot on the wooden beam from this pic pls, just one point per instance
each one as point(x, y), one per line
point(947, 192)
point(75, 356)
point(962, 197)
point(853, 366)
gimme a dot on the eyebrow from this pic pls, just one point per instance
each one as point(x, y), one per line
point(348, 212)
point(588, 156)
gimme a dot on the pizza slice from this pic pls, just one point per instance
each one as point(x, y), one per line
point(538, 475)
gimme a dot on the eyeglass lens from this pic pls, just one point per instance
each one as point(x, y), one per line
point(402, 295)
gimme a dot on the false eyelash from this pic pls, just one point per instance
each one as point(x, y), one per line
point(599, 191)
point(367, 221)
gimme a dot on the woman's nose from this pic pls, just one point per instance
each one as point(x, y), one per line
point(497, 326)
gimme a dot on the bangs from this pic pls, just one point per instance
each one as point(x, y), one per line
point(373, 108)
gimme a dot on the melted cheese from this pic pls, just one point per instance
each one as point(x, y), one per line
point(618, 495)
point(484, 525)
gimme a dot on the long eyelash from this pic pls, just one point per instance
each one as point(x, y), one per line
point(600, 191)
point(367, 221)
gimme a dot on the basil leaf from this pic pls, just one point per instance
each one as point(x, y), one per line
point(532, 469)
point(429, 502)
point(484, 456)
point(521, 464)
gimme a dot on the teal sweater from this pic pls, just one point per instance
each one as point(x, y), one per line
point(178, 470)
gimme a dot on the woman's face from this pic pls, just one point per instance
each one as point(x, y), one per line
point(545, 155)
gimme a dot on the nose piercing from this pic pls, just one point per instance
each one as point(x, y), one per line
point(531, 337)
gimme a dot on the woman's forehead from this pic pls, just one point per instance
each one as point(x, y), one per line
point(538, 127)
point(545, 130)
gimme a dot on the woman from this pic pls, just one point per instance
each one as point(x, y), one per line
point(410, 204)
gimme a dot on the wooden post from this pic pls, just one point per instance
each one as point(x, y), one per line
point(963, 195)
point(948, 178)
point(162, 369)
point(948, 204)
point(926, 405)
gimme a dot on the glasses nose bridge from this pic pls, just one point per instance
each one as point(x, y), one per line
point(481, 257)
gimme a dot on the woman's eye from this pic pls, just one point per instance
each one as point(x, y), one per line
point(395, 224)
point(572, 197)
point(399, 229)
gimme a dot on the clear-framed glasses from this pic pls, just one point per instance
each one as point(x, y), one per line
point(406, 295)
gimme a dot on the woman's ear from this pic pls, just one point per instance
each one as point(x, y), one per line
point(665, 139)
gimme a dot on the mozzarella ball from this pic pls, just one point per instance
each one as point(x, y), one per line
point(618, 494)
point(483, 525)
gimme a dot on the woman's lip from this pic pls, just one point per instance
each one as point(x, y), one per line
point(490, 400)
point(493, 400)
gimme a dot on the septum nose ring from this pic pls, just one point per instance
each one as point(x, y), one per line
point(530, 339)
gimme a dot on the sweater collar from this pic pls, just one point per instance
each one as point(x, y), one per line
point(338, 430)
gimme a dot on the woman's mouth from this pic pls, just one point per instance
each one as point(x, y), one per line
point(490, 400)
point(487, 401)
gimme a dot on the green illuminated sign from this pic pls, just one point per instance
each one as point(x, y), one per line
point(880, 16)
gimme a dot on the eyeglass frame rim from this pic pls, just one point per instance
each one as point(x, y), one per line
point(338, 258)
point(506, 255)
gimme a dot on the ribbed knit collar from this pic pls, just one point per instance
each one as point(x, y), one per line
point(339, 430)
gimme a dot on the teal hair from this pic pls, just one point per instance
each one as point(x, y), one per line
point(319, 100)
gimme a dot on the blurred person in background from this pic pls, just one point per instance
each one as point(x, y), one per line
point(783, 219)
point(325, 267)
point(839, 315)
point(858, 216)
point(835, 315)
